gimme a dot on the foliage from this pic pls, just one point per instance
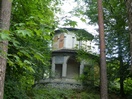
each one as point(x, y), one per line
point(47, 93)
point(116, 37)
point(127, 85)
point(13, 91)
point(84, 35)
point(70, 22)
point(32, 26)
point(90, 76)
point(89, 95)
point(117, 48)
point(129, 15)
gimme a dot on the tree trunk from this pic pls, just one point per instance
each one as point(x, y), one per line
point(129, 9)
point(5, 12)
point(121, 77)
point(121, 71)
point(103, 71)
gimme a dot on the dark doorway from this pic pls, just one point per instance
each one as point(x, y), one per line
point(58, 71)
point(73, 68)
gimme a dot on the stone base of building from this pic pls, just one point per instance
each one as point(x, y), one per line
point(62, 83)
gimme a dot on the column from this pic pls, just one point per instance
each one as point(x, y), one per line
point(81, 67)
point(53, 67)
point(64, 68)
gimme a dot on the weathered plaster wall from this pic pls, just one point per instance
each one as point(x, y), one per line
point(68, 41)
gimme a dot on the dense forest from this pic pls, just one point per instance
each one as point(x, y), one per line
point(26, 31)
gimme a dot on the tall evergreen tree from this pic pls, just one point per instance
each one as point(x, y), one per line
point(129, 11)
point(116, 36)
point(103, 72)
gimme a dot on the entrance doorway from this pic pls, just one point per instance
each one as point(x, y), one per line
point(73, 68)
point(58, 71)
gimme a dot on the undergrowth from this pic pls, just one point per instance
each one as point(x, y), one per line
point(55, 93)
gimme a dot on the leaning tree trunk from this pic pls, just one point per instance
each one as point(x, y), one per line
point(129, 9)
point(103, 71)
point(5, 12)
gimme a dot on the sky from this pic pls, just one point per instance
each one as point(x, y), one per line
point(69, 5)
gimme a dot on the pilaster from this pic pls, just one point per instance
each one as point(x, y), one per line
point(81, 67)
point(53, 67)
point(64, 68)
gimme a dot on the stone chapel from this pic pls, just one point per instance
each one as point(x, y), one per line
point(65, 69)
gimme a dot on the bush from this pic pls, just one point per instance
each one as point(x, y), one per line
point(12, 90)
point(56, 93)
point(51, 93)
point(85, 95)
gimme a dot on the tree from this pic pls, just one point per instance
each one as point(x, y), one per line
point(32, 28)
point(117, 48)
point(5, 12)
point(129, 11)
point(116, 37)
point(103, 72)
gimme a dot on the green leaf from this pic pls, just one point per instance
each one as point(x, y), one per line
point(24, 33)
point(83, 20)
point(27, 62)
point(71, 23)
point(4, 35)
